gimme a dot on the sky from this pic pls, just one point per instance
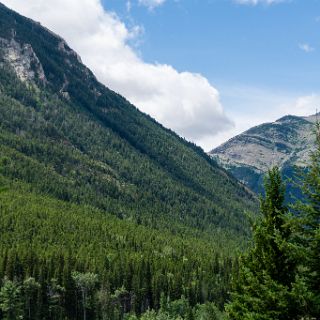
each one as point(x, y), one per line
point(208, 69)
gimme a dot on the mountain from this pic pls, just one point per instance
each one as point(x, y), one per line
point(90, 183)
point(87, 144)
point(286, 143)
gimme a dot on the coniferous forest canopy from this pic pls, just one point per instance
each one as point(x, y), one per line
point(105, 214)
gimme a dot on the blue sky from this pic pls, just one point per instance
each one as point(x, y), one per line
point(232, 43)
point(259, 56)
point(208, 69)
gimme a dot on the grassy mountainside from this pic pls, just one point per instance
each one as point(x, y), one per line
point(286, 143)
point(92, 184)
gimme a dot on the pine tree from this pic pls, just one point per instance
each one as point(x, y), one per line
point(30, 288)
point(265, 287)
point(85, 282)
point(56, 295)
point(10, 300)
point(104, 304)
point(307, 236)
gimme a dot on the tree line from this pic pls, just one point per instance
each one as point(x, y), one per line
point(19, 300)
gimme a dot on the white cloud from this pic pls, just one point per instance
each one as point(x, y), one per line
point(151, 4)
point(306, 47)
point(256, 2)
point(255, 106)
point(182, 101)
point(250, 106)
point(128, 5)
point(304, 105)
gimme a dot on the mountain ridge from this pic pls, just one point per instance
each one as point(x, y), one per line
point(286, 143)
point(90, 184)
point(62, 111)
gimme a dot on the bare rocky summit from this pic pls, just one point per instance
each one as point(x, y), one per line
point(286, 143)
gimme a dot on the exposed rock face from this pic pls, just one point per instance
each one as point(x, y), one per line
point(285, 143)
point(65, 48)
point(23, 60)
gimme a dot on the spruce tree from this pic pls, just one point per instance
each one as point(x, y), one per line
point(56, 294)
point(11, 300)
point(30, 289)
point(307, 231)
point(85, 282)
point(266, 287)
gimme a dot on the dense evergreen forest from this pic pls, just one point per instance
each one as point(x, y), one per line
point(64, 261)
point(105, 214)
point(47, 240)
point(67, 135)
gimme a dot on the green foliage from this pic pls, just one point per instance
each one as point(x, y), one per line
point(208, 311)
point(181, 310)
point(86, 283)
point(280, 276)
point(56, 298)
point(107, 215)
point(94, 187)
point(267, 286)
point(307, 229)
point(30, 289)
point(95, 148)
point(10, 300)
point(48, 240)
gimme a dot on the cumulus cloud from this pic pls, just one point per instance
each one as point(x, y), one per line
point(306, 47)
point(183, 101)
point(151, 4)
point(255, 106)
point(256, 2)
point(305, 105)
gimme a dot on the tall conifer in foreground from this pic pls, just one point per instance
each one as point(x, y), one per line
point(307, 231)
point(266, 286)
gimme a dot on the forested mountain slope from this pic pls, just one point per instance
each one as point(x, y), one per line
point(286, 143)
point(69, 136)
point(48, 239)
point(89, 183)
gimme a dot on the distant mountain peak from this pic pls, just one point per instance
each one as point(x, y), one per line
point(286, 142)
point(289, 118)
